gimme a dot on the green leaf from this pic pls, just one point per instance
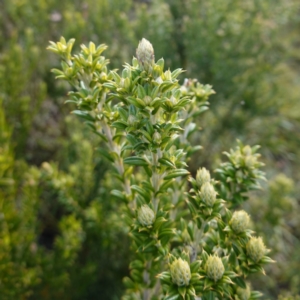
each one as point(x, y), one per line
point(148, 171)
point(182, 291)
point(84, 115)
point(71, 101)
point(236, 249)
point(165, 186)
point(136, 102)
point(141, 92)
point(206, 228)
point(131, 138)
point(232, 258)
point(167, 85)
point(195, 266)
point(194, 149)
point(161, 63)
point(136, 275)
point(166, 232)
point(166, 162)
point(135, 161)
point(209, 295)
point(191, 291)
point(157, 102)
point(101, 135)
point(240, 282)
point(191, 208)
point(172, 297)
point(158, 222)
point(176, 173)
point(146, 135)
point(118, 194)
point(176, 73)
point(128, 283)
point(110, 85)
point(123, 113)
point(190, 229)
point(105, 154)
point(141, 191)
point(165, 277)
point(149, 247)
point(136, 264)
point(267, 260)
point(255, 295)
point(227, 280)
point(204, 255)
point(119, 125)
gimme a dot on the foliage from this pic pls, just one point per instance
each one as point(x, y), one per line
point(145, 118)
point(271, 218)
point(248, 50)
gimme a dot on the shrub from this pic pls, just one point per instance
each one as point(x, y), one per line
point(182, 228)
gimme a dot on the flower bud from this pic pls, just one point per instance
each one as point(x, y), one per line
point(250, 161)
point(256, 248)
point(159, 80)
point(281, 184)
point(122, 83)
point(147, 99)
point(103, 76)
point(243, 294)
point(131, 119)
point(208, 194)
point(247, 151)
point(145, 55)
point(214, 268)
point(202, 176)
point(239, 221)
point(173, 100)
point(180, 272)
point(156, 137)
point(186, 237)
point(146, 215)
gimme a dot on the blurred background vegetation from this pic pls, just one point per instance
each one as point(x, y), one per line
point(60, 232)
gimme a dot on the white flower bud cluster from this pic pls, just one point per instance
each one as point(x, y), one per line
point(214, 268)
point(180, 272)
point(146, 215)
point(256, 248)
point(239, 221)
point(208, 194)
point(202, 176)
point(145, 55)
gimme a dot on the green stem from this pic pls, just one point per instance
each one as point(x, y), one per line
point(119, 164)
point(147, 281)
point(155, 179)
